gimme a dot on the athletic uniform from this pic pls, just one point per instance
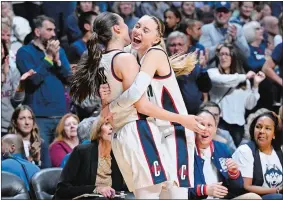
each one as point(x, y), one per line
point(179, 141)
point(136, 143)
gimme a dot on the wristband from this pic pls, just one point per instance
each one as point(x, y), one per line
point(48, 60)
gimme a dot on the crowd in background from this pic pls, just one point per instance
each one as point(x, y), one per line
point(237, 77)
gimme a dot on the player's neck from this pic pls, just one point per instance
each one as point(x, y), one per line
point(115, 45)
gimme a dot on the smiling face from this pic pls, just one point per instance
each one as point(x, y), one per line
point(209, 123)
point(188, 8)
point(145, 34)
point(106, 131)
point(264, 131)
point(247, 8)
point(25, 122)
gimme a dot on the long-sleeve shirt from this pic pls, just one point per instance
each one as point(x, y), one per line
point(10, 99)
point(212, 36)
point(234, 103)
point(57, 151)
point(45, 89)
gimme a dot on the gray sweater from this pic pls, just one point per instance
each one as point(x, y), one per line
point(10, 98)
point(212, 36)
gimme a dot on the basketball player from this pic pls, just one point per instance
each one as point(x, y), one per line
point(157, 74)
point(137, 142)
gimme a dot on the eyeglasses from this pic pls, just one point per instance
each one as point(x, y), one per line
point(223, 54)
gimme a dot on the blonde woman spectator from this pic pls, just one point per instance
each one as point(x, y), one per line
point(66, 139)
point(232, 91)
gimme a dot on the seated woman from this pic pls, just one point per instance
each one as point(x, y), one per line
point(216, 174)
point(23, 123)
point(260, 161)
point(66, 139)
point(92, 167)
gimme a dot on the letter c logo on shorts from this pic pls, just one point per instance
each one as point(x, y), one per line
point(156, 168)
point(183, 172)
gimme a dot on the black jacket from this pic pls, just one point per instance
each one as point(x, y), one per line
point(79, 174)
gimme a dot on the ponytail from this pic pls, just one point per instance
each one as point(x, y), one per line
point(84, 83)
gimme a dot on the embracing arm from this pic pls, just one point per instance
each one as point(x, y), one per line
point(144, 106)
point(139, 85)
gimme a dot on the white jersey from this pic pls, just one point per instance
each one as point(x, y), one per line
point(164, 91)
point(129, 114)
point(136, 144)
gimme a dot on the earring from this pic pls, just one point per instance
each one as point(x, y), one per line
point(273, 137)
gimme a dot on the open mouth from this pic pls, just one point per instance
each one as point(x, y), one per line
point(136, 40)
point(204, 136)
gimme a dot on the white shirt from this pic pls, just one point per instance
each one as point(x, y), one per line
point(26, 147)
point(209, 170)
point(271, 166)
point(235, 103)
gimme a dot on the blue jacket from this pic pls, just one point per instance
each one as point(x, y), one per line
point(45, 89)
point(234, 182)
point(18, 165)
point(79, 47)
point(73, 31)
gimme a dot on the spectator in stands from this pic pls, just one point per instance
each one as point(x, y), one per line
point(220, 133)
point(193, 84)
point(156, 8)
point(245, 15)
point(66, 139)
point(270, 26)
point(84, 129)
point(91, 168)
point(254, 35)
point(172, 17)
point(126, 9)
point(192, 29)
point(12, 90)
point(85, 24)
point(261, 160)
point(246, 139)
point(269, 65)
point(189, 11)
point(266, 10)
point(15, 162)
point(23, 124)
point(19, 26)
point(278, 37)
point(217, 32)
point(216, 174)
point(73, 31)
point(45, 89)
point(232, 91)
point(6, 28)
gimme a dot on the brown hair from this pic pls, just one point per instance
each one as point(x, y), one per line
point(13, 128)
point(60, 133)
point(85, 82)
point(236, 64)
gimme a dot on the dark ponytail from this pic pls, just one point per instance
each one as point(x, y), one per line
point(85, 82)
